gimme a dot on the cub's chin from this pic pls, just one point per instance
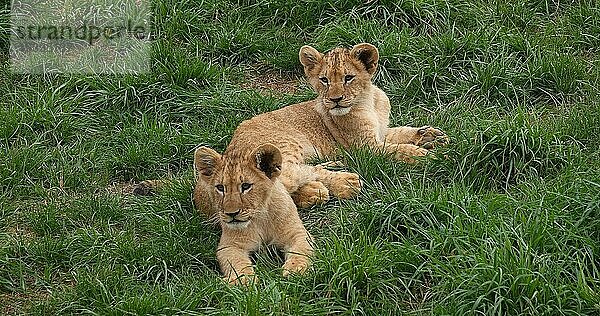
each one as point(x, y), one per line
point(339, 111)
point(237, 224)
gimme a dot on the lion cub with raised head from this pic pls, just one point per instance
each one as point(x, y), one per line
point(242, 191)
point(352, 110)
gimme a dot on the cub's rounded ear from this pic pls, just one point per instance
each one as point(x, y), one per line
point(309, 57)
point(267, 158)
point(368, 55)
point(205, 160)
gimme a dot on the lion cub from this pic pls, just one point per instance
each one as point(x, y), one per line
point(242, 191)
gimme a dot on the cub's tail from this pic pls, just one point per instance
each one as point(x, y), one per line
point(149, 187)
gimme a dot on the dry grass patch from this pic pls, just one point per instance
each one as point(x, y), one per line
point(264, 78)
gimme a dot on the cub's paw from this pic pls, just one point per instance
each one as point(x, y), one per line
point(429, 137)
point(295, 265)
point(407, 152)
point(312, 193)
point(243, 279)
point(345, 185)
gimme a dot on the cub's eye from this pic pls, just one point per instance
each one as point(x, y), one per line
point(348, 78)
point(324, 80)
point(246, 186)
point(220, 188)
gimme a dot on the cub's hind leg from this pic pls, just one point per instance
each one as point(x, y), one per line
point(311, 193)
point(301, 183)
point(310, 185)
point(341, 184)
point(426, 136)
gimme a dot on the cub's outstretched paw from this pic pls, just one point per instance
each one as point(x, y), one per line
point(312, 193)
point(407, 152)
point(345, 185)
point(429, 137)
point(296, 265)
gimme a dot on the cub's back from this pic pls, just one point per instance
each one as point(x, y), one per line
point(297, 130)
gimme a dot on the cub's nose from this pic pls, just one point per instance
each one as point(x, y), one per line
point(336, 99)
point(233, 214)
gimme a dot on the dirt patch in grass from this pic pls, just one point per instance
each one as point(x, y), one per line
point(18, 303)
point(268, 80)
point(12, 304)
point(21, 231)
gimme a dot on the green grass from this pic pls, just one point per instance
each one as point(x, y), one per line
point(506, 220)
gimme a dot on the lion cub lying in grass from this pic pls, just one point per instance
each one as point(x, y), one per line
point(242, 191)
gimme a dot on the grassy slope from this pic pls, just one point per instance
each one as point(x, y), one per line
point(508, 224)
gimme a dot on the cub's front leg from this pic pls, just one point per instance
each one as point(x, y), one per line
point(298, 253)
point(400, 151)
point(426, 136)
point(404, 152)
point(235, 264)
